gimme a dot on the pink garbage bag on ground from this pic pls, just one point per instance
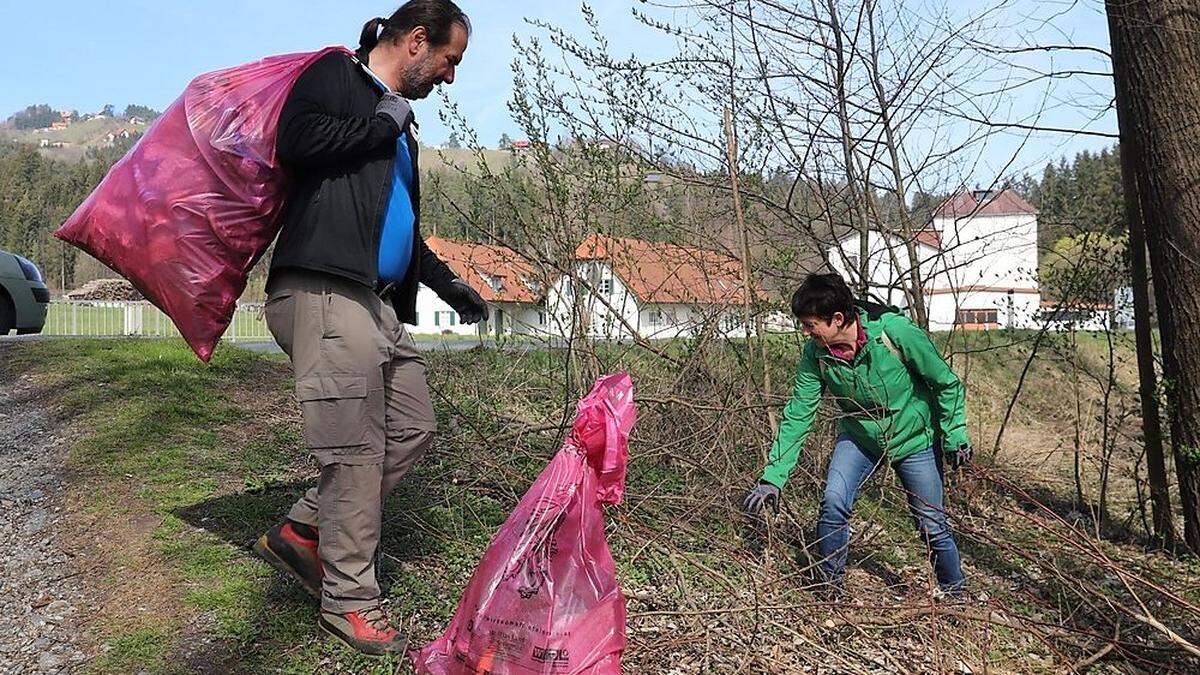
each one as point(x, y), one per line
point(544, 599)
point(192, 207)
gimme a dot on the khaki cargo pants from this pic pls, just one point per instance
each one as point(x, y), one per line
point(367, 417)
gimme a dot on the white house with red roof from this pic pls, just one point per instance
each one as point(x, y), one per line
point(978, 258)
point(505, 280)
point(624, 287)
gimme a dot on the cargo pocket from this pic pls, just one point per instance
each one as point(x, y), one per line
point(335, 414)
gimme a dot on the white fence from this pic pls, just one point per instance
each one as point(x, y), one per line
point(87, 318)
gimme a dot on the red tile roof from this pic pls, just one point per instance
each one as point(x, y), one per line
point(666, 273)
point(931, 238)
point(984, 203)
point(510, 277)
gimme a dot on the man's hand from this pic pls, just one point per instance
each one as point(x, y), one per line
point(960, 456)
point(470, 306)
point(763, 494)
point(396, 108)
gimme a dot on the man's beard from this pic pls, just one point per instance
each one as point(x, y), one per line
point(417, 83)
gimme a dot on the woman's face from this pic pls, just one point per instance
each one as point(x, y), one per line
point(825, 332)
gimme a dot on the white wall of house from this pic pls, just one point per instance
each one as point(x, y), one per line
point(608, 307)
point(660, 321)
point(981, 259)
point(611, 300)
point(435, 317)
point(886, 276)
point(513, 318)
point(1005, 310)
point(988, 251)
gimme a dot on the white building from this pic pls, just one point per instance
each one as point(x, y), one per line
point(978, 260)
point(626, 287)
point(506, 281)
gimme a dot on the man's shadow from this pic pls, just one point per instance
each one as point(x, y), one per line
point(240, 518)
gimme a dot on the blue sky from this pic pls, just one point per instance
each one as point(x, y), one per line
point(76, 54)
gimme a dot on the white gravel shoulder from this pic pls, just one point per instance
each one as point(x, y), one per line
point(41, 592)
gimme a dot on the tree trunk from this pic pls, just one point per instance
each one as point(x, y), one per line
point(1160, 494)
point(1156, 66)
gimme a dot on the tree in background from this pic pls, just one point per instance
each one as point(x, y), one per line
point(36, 195)
point(145, 112)
point(1086, 267)
point(37, 116)
point(1084, 195)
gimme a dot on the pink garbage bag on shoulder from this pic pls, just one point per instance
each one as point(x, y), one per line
point(544, 599)
point(194, 205)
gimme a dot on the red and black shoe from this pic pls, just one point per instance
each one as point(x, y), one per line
point(294, 553)
point(367, 630)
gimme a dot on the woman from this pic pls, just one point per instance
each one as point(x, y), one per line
point(899, 401)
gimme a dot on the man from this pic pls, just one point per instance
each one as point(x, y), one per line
point(343, 281)
point(899, 401)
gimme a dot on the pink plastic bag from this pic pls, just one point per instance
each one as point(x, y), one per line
point(187, 213)
point(544, 599)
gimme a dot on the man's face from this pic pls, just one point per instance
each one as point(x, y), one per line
point(431, 66)
point(824, 332)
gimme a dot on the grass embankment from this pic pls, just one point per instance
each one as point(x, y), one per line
point(179, 466)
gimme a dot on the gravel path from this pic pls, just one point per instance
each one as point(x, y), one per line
point(40, 595)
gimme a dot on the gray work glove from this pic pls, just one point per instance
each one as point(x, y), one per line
point(470, 305)
point(763, 494)
point(959, 457)
point(396, 108)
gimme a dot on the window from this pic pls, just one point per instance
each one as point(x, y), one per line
point(606, 287)
point(541, 318)
point(654, 317)
point(453, 317)
point(978, 318)
point(437, 318)
point(732, 322)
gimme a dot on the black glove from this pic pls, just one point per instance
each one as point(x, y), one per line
point(960, 456)
point(396, 108)
point(763, 494)
point(470, 306)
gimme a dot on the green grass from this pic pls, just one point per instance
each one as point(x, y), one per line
point(160, 423)
point(187, 445)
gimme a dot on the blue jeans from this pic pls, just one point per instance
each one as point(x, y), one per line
point(921, 475)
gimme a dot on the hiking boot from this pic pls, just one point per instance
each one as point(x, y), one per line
point(367, 630)
point(294, 553)
point(951, 594)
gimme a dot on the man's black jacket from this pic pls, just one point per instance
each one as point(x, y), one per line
point(340, 156)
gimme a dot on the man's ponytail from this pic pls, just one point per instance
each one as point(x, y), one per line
point(370, 34)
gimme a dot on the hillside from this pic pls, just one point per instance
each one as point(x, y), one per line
point(77, 139)
point(177, 466)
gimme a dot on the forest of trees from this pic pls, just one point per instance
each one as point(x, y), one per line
point(37, 194)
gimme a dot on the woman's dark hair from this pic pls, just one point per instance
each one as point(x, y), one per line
point(823, 295)
point(437, 16)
